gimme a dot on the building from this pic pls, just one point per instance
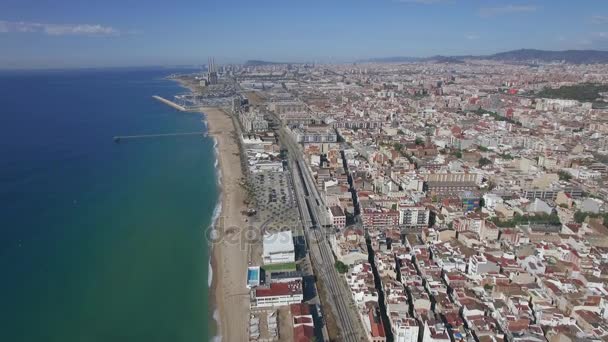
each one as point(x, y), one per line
point(470, 200)
point(303, 324)
point(337, 216)
point(281, 107)
point(278, 294)
point(315, 134)
point(414, 216)
point(435, 333)
point(451, 183)
point(380, 218)
point(349, 246)
point(551, 193)
point(236, 104)
point(212, 77)
point(296, 119)
point(253, 122)
point(372, 321)
point(406, 330)
point(279, 248)
point(478, 264)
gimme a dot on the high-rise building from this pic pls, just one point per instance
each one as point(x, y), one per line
point(211, 72)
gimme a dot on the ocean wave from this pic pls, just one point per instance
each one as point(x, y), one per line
point(210, 274)
point(217, 211)
point(216, 164)
point(216, 317)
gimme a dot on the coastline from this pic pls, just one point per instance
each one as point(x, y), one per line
point(228, 293)
point(229, 261)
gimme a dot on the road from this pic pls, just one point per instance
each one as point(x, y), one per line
point(313, 210)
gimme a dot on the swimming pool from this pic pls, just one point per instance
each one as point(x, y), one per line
point(253, 276)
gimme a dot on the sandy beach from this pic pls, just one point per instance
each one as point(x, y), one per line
point(229, 259)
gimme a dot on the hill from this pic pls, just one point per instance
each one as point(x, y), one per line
point(515, 56)
point(255, 62)
point(568, 56)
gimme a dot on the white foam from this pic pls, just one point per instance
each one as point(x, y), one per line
point(217, 211)
point(210, 274)
point(216, 317)
point(216, 165)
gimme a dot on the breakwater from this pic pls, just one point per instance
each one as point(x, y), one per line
point(169, 103)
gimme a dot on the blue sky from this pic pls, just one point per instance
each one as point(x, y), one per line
point(78, 33)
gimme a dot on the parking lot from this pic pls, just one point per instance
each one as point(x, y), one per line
point(275, 202)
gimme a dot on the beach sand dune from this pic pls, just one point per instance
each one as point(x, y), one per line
point(230, 259)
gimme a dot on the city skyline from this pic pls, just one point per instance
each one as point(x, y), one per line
point(71, 34)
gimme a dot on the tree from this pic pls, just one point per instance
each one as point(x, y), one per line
point(484, 161)
point(457, 154)
point(564, 176)
point(418, 141)
point(482, 148)
point(341, 267)
point(517, 219)
point(579, 217)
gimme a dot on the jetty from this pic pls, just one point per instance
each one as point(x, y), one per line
point(118, 138)
point(169, 103)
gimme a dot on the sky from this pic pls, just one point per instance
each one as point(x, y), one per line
point(83, 33)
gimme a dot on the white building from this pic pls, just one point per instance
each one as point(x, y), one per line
point(492, 200)
point(279, 294)
point(414, 216)
point(435, 333)
point(478, 264)
point(279, 248)
point(406, 330)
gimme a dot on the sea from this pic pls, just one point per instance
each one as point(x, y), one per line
point(103, 241)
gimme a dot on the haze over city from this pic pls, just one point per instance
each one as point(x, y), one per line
point(277, 171)
point(71, 33)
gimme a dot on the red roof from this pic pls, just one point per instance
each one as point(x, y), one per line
point(303, 333)
point(280, 289)
point(299, 309)
point(302, 320)
point(376, 322)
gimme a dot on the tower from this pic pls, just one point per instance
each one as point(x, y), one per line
point(211, 71)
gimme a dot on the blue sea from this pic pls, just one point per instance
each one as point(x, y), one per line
point(102, 241)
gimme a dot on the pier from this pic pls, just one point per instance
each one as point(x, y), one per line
point(141, 136)
point(169, 103)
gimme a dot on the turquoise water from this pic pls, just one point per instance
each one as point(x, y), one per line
point(253, 274)
point(102, 241)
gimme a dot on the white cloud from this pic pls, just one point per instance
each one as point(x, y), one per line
point(507, 9)
point(471, 36)
point(57, 29)
point(600, 35)
point(599, 19)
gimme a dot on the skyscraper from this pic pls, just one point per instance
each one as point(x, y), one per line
point(211, 72)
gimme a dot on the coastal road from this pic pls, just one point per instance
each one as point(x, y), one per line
point(313, 210)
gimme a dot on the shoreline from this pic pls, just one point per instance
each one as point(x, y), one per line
point(229, 261)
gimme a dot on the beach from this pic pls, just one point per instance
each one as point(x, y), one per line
point(230, 253)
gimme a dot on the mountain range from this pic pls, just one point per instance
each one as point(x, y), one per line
point(515, 56)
